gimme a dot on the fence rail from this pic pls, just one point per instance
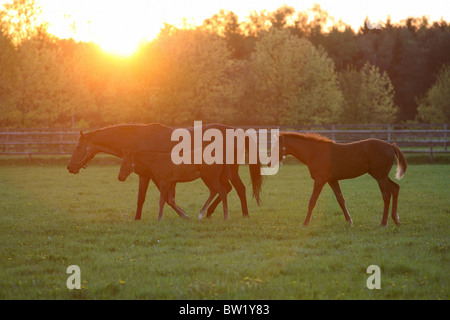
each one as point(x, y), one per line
point(412, 138)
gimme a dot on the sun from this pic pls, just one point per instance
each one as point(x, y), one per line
point(119, 46)
point(119, 36)
point(118, 27)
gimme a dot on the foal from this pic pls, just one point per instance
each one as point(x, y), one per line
point(329, 162)
point(166, 174)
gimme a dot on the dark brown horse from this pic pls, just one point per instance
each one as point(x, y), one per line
point(151, 137)
point(329, 162)
point(160, 166)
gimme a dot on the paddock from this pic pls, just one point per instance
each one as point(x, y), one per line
point(51, 220)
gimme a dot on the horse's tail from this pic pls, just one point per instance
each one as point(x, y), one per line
point(255, 171)
point(401, 162)
point(255, 174)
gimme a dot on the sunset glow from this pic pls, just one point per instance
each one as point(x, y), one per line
point(120, 26)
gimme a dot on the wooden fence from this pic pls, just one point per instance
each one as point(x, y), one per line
point(412, 138)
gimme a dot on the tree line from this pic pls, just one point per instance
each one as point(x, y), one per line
point(282, 67)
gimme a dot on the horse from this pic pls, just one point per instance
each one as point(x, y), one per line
point(157, 138)
point(160, 166)
point(329, 162)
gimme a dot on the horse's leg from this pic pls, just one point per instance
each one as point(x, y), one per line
point(394, 188)
point(218, 199)
point(318, 185)
point(334, 184)
point(213, 206)
point(223, 196)
point(223, 187)
point(143, 186)
point(162, 201)
point(171, 202)
point(181, 213)
point(383, 183)
point(208, 201)
point(240, 189)
point(163, 197)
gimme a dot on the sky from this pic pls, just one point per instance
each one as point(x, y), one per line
point(120, 25)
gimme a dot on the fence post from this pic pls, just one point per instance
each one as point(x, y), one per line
point(445, 137)
point(430, 136)
point(60, 141)
point(29, 151)
point(7, 140)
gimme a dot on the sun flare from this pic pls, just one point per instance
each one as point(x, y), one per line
point(118, 27)
point(119, 36)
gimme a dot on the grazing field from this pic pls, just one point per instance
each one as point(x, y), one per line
point(50, 219)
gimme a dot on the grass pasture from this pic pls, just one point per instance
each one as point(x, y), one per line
point(50, 219)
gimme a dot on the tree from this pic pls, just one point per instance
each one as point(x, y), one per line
point(368, 96)
point(39, 94)
point(409, 71)
point(226, 24)
point(435, 106)
point(342, 47)
point(296, 82)
point(411, 52)
point(22, 19)
point(8, 72)
point(191, 81)
point(279, 18)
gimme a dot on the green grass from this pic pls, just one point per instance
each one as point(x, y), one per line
point(50, 219)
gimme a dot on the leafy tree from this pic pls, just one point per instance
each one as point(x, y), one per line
point(296, 82)
point(22, 19)
point(435, 106)
point(408, 72)
point(8, 73)
point(368, 96)
point(279, 18)
point(226, 24)
point(192, 82)
point(273, 68)
point(39, 93)
point(342, 47)
point(411, 53)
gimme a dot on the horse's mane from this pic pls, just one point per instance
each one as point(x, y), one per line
point(316, 137)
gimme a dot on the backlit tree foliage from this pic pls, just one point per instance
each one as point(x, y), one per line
point(434, 107)
point(274, 68)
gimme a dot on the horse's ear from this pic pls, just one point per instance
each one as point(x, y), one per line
point(81, 134)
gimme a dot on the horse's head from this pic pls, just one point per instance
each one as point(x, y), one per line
point(81, 154)
point(126, 166)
